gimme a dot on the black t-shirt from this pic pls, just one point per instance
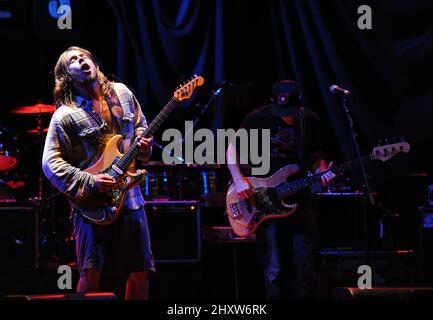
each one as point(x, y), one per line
point(286, 139)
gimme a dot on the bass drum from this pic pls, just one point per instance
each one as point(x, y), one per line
point(8, 151)
point(6, 193)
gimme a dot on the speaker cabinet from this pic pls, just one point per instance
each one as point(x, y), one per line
point(232, 271)
point(389, 269)
point(175, 230)
point(383, 294)
point(19, 244)
point(426, 246)
point(341, 221)
point(67, 296)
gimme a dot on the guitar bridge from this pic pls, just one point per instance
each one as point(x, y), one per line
point(254, 220)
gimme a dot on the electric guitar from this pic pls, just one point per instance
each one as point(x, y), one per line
point(105, 208)
point(275, 196)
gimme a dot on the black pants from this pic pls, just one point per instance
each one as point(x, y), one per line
point(287, 256)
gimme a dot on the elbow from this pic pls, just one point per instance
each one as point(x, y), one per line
point(231, 155)
point(46, 168)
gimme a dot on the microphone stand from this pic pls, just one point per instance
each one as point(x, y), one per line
point(206, 106)
point(364, 176)
point(215, 93)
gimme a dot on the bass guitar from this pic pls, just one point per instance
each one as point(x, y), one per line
point(274, 197)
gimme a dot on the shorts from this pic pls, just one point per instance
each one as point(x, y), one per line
point(116, 249)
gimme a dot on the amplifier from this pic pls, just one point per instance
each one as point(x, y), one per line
point(19, 235)
point(426, 246)
point(65, 296)
point(389, 269)
point(340, 220)
point(175, 230)
point(407, 293)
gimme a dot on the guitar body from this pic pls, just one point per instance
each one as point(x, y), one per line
point(104, 209)
point(246, 218)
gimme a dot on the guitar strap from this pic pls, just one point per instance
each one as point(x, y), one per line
point(123, 119)
point(116, 111)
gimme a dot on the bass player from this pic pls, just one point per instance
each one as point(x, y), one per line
point(286, 246)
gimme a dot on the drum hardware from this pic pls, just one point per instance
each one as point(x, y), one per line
point(34, 109)
point(8, 152)
point(44, 205)
point(38, 130)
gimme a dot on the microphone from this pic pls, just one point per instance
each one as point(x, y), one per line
point(337, 90)
point(220, 86)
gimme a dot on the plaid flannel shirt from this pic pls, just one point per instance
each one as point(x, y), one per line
point(77, 135)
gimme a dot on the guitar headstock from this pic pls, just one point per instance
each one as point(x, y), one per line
point(186, 89)
point(387, 151)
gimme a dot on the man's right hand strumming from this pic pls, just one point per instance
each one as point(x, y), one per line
point(244, 188)
point(103, 183)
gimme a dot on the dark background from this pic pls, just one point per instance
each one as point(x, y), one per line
point(154, 45)
point(243, 46)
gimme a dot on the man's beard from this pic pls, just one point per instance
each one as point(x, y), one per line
point(85, 87)
point(88, 81)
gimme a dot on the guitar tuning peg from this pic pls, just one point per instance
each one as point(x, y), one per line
point(380, 143)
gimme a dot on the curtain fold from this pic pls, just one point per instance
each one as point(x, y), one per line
point(316, 43)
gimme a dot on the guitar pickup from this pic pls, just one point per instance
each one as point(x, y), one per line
point(248, 205)
point(236, 210)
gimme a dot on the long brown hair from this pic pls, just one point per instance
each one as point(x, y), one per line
point(63, 88)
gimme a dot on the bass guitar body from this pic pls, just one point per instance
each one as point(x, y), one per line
point(246, 216)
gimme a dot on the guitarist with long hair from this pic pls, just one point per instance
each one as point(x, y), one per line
point(286, 245)
point(90, 110)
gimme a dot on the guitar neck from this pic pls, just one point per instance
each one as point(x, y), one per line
point(129, 156)
point(292, 187)
point(163, 114)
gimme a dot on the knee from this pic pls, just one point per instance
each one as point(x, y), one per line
point(271, 273)
point(138, 277)
point(92, 274)
point(89, 281)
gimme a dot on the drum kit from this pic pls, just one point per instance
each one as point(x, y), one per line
point(11, 176)
point(182, 182)
point(163, 182)
point(21, 175)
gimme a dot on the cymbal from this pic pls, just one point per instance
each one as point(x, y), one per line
point(36, 130)
point(15, 184)
point(37, 108)
point(7, 162)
